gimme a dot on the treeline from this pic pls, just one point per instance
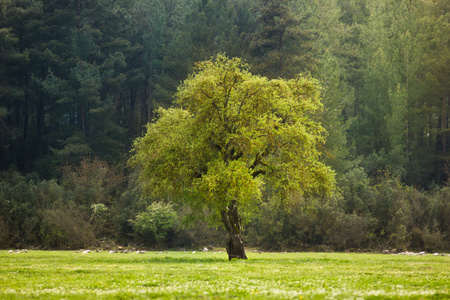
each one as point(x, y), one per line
point(94, 205)
point(91, 205)
point(375, 213)
point(79, 79)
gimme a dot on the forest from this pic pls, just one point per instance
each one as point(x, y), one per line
point(80, 80)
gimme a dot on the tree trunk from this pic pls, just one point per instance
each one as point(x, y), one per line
point(232, 223)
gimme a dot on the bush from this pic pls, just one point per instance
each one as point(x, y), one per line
point(297, 224)
point(66, 228)
point(92, 181)
point(442, 218)
point(357, 195)
point(99, 216)
point(4, 234)
point(349, 231)
point(18, 208)
point(156, 221)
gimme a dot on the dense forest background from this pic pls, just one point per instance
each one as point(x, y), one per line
point(80, 79)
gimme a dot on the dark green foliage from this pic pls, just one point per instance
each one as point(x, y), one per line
point(301, 225)
point(18, 210)
point(279, 47)
point(81, 78)
point(66, 228)
point(367, 215)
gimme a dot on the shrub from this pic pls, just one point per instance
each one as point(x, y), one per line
point(442, 218)
point(99, 215)
point(357, 195)
point(18, 208)
point(349, 231)
point(92, 181)
point(4, 234)
point(156, 221)
point(66, 228)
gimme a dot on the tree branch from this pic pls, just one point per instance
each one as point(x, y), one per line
point(259, 172)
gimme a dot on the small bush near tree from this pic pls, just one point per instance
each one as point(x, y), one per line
point(156, 221)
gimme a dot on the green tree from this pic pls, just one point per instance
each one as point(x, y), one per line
point(331, 54)
point(278, 49)
point(389, 56)
point(233, 134)
point(435, 95)
point(10, 92)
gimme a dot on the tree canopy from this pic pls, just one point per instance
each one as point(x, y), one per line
point(232, 134)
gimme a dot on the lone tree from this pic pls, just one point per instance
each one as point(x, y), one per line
point(232, 134)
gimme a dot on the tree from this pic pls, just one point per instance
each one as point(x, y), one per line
point(282, 46)
point(233, 134)
point(331, 55)
point(435, 96)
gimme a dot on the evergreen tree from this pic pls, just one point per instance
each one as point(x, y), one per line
point(331, 54)
point(279, 47)
point(435, 36)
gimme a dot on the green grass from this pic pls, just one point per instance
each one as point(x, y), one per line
point(169, 275)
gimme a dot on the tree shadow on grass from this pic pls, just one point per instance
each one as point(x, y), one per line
point(187, 260)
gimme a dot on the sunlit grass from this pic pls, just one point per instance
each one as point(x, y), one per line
point(69, 275)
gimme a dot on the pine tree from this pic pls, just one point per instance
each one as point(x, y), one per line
point(280, 47)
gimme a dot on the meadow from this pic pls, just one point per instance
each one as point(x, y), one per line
point(209, 275)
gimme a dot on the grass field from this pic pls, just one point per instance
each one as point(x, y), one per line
point(207, 275)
